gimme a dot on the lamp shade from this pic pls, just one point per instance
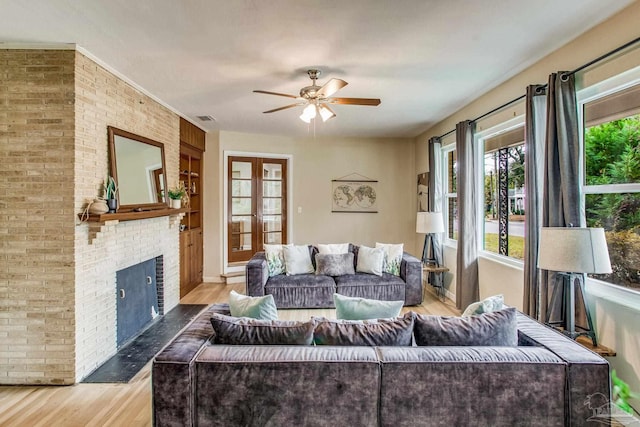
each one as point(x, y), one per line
point(429, 222)
point(574, 250)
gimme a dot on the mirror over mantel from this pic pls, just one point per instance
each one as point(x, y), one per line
point(138, 167)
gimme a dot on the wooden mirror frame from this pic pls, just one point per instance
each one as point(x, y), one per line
point(112, 133)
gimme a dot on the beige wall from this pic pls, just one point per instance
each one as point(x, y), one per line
point(617, 318)
point(314, 163)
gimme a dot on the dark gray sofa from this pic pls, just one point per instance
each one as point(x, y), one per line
point(545, 381)
point(316, 291)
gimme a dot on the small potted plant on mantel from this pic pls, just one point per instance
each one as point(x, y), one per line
point(110, 191)
point(175, 195)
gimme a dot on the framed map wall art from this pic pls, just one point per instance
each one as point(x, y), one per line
point(354, 195)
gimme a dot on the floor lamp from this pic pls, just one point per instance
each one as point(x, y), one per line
point(429, 223)
point(571, 252)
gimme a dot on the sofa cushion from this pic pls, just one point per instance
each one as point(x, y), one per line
point(361, 285)
point(244, 331)
point(334, 264)
point(297, 259)
point(381, 332)
point(254, 307)
point(489, 329)
point(350, 308)
point(487, 305)
point(370, 260)
point(275, 259)
point(392, 257)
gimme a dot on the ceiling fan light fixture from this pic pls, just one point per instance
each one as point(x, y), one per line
point(308, 113)
point(326, 113)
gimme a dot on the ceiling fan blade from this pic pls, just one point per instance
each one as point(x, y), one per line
point(275, 93)
point(354, 101)
point(331, 87)
point(283, 108)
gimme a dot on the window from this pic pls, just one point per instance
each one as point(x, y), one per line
point(451, 197)
point(504, 193)
point(611, 174)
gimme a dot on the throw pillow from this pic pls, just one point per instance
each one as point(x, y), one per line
point(381, 332)
point(333, 248)
point(254, 307)
point(487, 305)
point(499, 328)
point(275, 259)
point(350, 308)
point(370, 260)
point(392, 257)
point(243, 331)
point(297, 259)
point(334, 264)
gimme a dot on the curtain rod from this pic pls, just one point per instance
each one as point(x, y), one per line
point(580, 68)
point(488, 113)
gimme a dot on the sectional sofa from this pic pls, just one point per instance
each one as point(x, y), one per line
point(316, 290)
point(544, 380)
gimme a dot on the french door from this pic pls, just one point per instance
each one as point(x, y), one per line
point(257, 205)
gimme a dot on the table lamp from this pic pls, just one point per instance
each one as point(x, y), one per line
point(429, 223)
point(571, 252)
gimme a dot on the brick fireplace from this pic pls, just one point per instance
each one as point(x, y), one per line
point(57, 283)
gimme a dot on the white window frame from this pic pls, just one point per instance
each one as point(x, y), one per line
point(446, 194)
point(584, 96)
point(506, 126)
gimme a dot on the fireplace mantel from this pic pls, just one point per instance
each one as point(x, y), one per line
point(98, 224)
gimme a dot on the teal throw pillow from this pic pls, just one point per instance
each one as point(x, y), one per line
point(254, 307)
point(350, 308)
point(487, 305)
point(275, 259)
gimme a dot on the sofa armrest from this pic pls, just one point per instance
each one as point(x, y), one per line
point(411, 273)
point(172, 371)
point(587, 372)
point(257, 275)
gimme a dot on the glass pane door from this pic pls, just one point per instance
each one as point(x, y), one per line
point(257, 205)
point(242, 208)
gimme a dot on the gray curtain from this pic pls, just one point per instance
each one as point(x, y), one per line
point(467, 286)
point(535, 125)
point(561, 191)
point(435, 201)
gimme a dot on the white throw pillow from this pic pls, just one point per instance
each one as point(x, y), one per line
point(297, 259)
point(275, 259)
point(370, 260)
point(333, 248)
point(392, 257)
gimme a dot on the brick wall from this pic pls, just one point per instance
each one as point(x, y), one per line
point(36, 217)
point(57, 290)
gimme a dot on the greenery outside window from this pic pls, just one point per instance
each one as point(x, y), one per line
point(611, 176)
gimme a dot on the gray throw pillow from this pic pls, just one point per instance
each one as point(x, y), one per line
point(245, 331)
point(499, 328)
point(382, 332)
point(334, 264)
point(351, 308)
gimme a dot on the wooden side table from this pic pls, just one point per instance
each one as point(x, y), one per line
point(431, 271)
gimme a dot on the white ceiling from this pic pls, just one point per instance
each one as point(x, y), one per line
point(424, 59)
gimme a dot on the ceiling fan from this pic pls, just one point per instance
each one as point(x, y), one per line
point(316, 98)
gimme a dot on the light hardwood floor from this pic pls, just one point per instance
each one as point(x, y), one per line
point(130, 404)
